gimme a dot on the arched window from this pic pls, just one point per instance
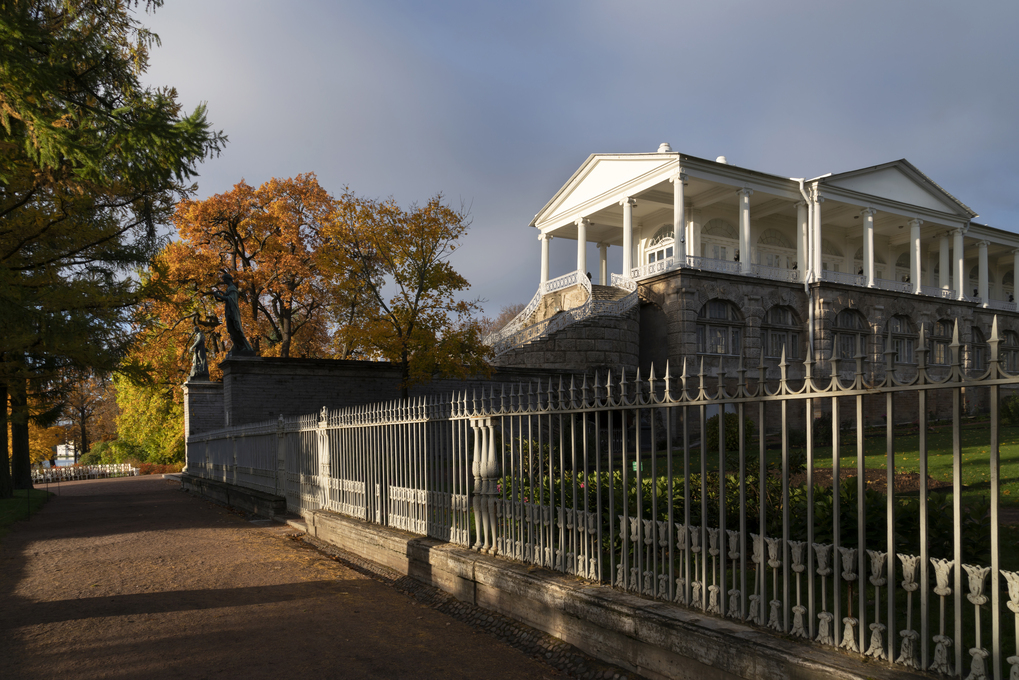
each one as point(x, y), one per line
point(773, 237)
point(850, 328)
point(662, 244)
point(719, 240)
point(831, 256)
point(1010, 352)
point(719, 227)
point(903, 338)
point(941, 339)
point(979, 350)
point(719, 328)
point(781, 329)
point(878, 258)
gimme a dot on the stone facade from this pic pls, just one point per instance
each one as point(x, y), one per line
point(256, 389)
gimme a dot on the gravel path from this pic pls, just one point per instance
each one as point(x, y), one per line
point(132, 578)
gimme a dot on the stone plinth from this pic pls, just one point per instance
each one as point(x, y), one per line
point(203, 407)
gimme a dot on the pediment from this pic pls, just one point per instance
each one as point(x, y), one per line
point(900, 182)
point(600, 180)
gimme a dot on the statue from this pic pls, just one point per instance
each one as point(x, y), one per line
point(232, 310)
point(199, 357)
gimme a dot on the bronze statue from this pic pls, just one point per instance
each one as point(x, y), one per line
point(232, 312)
point(199, 357)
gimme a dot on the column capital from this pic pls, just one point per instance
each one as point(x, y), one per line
point(983, 244)
point(603, 245)
point(800, 204)
point(1015, 251)
point(632, 202)
point(745, 191)
point(679, 176)
point(868, 212)
point(582, 220)
point(915, 222)
point(544, 237)
point(958, 231)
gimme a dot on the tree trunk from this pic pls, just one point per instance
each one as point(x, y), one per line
point(6, 483)
point(82, 438)
point(21, 459)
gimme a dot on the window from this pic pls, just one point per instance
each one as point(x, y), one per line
point(1010, 352)
point(719, 328)
point(903, 339)
point(719, 240)
point(941, 338)
point(781, 329)
point(662, 245)
point(979, 350)
point(850, 329)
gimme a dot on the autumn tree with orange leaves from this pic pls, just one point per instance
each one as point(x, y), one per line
point(400, 259)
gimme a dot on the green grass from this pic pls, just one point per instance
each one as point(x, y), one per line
point(17, 509)
point(975, 439)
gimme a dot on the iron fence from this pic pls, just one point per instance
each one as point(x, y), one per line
point(618, 480)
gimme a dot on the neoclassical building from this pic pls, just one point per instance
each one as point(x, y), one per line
point(720, 261)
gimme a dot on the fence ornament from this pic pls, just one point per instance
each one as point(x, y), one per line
point(849, 576)
point(977, 575)
point(734, 592)
point(1012, 579)
point(796, 550)
point(774, 563)
point(907, 653)
point(663, 548)
point(877, 579)
point(756, 613)
point(697, 583)
point(714, 606)
point(942, 570)
point(486, 472)
point(684, 563)
point(649, 542)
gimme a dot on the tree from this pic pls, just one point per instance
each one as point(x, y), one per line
point(87, 401)
point(267, 239)
point(506, 314)
point(90, 163)
point(400, 258)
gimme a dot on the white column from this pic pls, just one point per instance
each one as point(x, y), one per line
point(1015, 272)
point(744, 195)
point(679, 217)
point(960, 264)
point(694, 242)
point(868, 244)
point(801, 239)
point(603, 263)
point(628, 235)
point(816, 255)
point(582, 244)
point(943, 265)
point(544, 238)
point(982, 274)
point(914, 254)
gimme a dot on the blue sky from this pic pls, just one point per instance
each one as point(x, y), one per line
point(497, 103)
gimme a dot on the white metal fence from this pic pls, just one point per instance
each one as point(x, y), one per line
point(73, 473)
point(611, 480)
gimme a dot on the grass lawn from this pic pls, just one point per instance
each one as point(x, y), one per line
point(975, 437)
point(17, 509)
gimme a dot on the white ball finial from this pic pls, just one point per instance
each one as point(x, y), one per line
point(722, 160)
point(664, 148)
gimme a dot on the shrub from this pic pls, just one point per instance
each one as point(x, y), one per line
point(731, 432)
point(1010, 410)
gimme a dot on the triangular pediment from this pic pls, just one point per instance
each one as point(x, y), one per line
point(901, 182)
point(602, 179)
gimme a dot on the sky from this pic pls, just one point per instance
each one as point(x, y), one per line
point(496, 104)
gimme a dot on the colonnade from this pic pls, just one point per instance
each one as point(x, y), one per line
point(808, 243)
